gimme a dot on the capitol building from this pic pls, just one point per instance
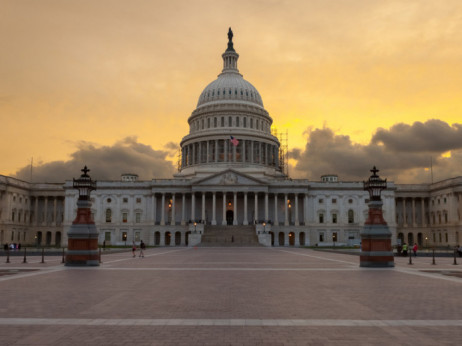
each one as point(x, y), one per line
point(231, 188)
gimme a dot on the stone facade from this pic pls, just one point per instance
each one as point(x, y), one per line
point(231, 174)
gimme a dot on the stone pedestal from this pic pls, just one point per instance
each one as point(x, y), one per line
point(82, 238)
point(376, 249)
point(194, 239)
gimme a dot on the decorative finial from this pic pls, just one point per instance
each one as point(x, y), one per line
point(230, 40)
point(85, 170)
point(374, 171)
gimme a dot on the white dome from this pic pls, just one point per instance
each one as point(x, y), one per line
point(230, 86)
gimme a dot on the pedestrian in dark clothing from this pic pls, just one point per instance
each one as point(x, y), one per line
point(142, 247)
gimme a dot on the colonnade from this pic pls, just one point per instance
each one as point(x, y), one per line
point(230, 208)
point(222, 150)
point(412, 221)
point(45, 208)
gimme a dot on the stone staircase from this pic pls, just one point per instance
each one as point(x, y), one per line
point(229, 236)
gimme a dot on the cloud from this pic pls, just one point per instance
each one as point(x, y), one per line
point(403, 153)
point(105, 162)
point(431, 136)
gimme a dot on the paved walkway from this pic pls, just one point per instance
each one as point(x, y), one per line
point(230, 296)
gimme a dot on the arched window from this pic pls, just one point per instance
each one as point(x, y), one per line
point(108, 215)
point(351, 216)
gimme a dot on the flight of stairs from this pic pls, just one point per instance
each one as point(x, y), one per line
point(229, 236)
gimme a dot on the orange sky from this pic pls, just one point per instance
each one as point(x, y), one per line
point(99, 71)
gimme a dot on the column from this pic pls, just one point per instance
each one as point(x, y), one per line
point(225, 150)
point(45, 221)
point(404, 213)
point(243, 150)
point(235, 209)
point(193, 147)
point(208, 152)
point(214, 208)
point(251, 151)
point(216, 150)
point(55, 200)
point(266, 207)
point(199, 153)
point(183, 209)
point(276, 221)
point(413, 212)
point(203, 208)
point(305, 209)
point(234, 152)
point(172, 239)
point(286, 211)
point(162, 239)
point(154, 207)
point(172, 222)
point(297, 223)
point(36, 215)
point(256, 207)
point(223, 222)
point(193, 207)
point(246, 221)
point(162, 210)
point(422, 211)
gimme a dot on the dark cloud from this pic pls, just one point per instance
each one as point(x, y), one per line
point(431, 136)
point(106, 163)
point(328, 153)
point(172, 147)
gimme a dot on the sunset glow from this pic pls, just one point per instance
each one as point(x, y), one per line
point(85, 73)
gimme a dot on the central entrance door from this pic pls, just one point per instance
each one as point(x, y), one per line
point(229, 217)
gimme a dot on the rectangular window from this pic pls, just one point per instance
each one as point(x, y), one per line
point(138, 200)
point(124, 217)
point(334, 200)
point(334, 218)
point(124, 236)
point(334, 237)
point(125, 200)
point(321, 237)
point(321, 218)
point(137, 236)
point(107, 236)
point(138, 217)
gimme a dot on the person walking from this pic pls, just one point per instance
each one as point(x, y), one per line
point(134, 249)
point(404, 249)
point(414, 249)
point(142, 247)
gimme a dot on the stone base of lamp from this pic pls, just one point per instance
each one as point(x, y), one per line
point(376, 249)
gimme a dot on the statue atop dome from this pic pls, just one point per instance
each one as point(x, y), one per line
point(230, 40)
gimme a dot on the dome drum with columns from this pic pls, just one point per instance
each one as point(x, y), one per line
point(230, 107)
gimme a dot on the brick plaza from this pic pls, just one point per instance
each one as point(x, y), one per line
point(230, 296)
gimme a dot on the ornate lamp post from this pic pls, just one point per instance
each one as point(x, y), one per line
point(83, 235)
point(376, 250)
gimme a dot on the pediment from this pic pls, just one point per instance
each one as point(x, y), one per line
point(229, 177)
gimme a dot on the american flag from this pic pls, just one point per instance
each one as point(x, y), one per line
point(234, 141)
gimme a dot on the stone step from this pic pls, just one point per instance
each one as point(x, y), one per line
point(229, 236)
